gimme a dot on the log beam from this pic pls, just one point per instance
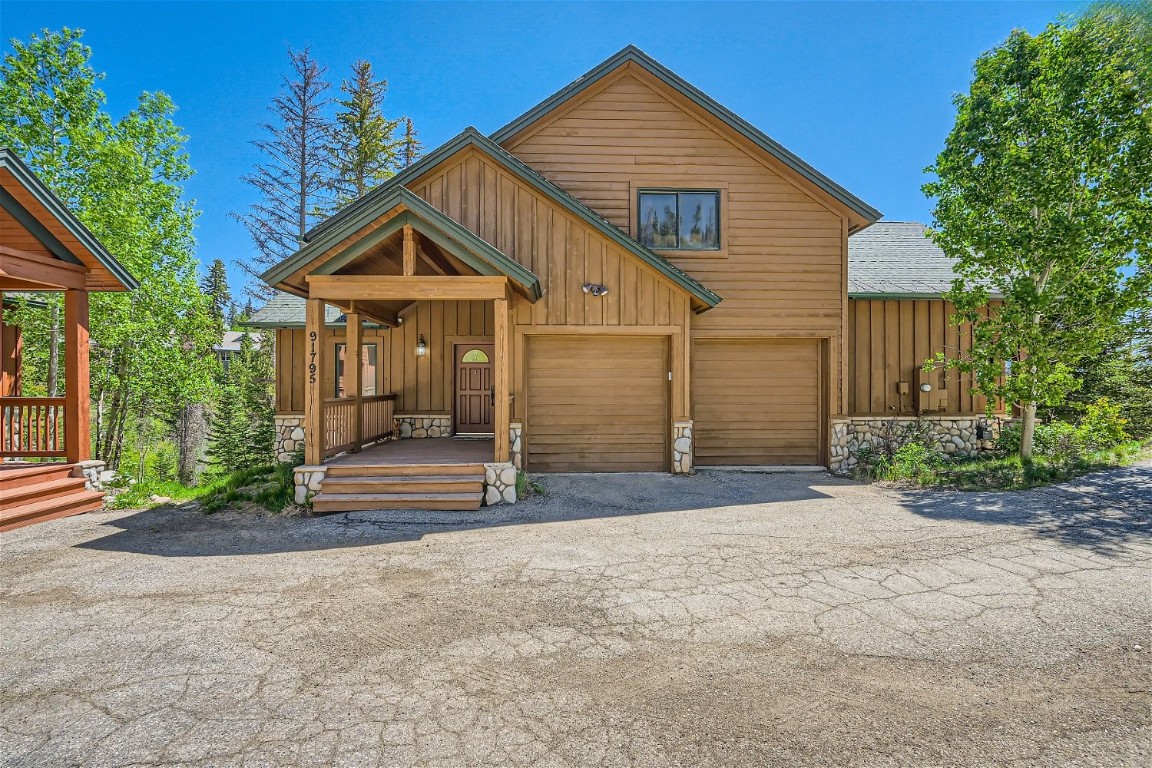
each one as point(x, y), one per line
point(409, 287)
point(409, 250)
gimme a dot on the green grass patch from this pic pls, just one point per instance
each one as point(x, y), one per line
point(269, 487)
point(1009, 473)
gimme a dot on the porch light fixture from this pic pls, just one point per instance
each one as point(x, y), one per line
point(421, 346)
point(925, 387)
point(596, 289)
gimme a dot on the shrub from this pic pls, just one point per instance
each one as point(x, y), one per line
point(1057, 440)
point(909, 440)
point(1101, 427)
point(912, 462)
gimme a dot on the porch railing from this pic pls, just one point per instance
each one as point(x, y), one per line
point(32, 427)
point(340, 422)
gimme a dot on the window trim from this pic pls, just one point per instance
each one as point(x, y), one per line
point(671, 186)
point(337, 363)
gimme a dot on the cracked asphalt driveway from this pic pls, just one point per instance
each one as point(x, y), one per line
point(717, 620)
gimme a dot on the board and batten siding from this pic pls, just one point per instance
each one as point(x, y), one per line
point(888, 339)
point(565, 252)
point(782, 270)
point(422, 384)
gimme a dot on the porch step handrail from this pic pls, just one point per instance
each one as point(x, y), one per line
point(32, 427)
point(375, 416)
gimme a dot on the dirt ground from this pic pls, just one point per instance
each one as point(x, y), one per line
point(717, 620)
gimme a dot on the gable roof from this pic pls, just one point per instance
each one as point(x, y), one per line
point(634, 55)
point(897, 259)
point(442, 229)
point(344, 221)
point(48, 200)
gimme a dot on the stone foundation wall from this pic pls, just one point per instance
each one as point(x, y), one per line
point(955, 435)
point(307, 479)
point(289, 435)
point(408, 425)
point(516, 444)
point(682, 448)
point(93, 473)
point(500, 483)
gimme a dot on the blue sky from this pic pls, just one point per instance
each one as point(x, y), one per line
point(861, 90)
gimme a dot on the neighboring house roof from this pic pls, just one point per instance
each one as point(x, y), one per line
point(446, 232)
point(231, 341)
point(363, 210)
point(634, 55)
point(897, 259)
point(284, 310)
point(46, 198)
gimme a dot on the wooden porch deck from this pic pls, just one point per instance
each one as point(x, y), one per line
point(421, 451)
point(424, 473)
point(31, 492)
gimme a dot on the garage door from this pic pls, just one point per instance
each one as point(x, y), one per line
point(756, 401)
point(597, 404)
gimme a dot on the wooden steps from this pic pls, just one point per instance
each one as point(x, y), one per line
point(352, 487)
point(38, 492)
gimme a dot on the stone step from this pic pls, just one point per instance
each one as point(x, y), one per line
point(23, 494)
point(34, 474)
point(404, 484)
point(351, 502)
point(403, 470)
point(49, 509)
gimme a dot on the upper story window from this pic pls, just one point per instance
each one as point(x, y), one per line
point(679, 220)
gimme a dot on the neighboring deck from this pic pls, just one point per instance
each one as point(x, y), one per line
point(35, 492)
point(444, 473)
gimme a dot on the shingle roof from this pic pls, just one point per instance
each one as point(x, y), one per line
point(897, 258)
point(284, 310)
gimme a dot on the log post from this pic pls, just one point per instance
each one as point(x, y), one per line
point(501, 416)
point(77, 402)
point(409, 250)
point(314, 382)
point(353, 375)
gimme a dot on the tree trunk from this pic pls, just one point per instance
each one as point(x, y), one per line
point(1028, 431)
point(191, 437)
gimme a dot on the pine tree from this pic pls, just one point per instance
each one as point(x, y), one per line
point(255, 378)
point(365, 150)
point(228, 431)
point(294, 182)
point(215, 287)
point(412, 144)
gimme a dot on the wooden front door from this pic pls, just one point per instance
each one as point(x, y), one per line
point(474, 388)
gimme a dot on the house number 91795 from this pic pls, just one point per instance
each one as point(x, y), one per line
point(312, 357)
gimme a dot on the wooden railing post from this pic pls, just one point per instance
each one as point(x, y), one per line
point(77, 410)
point(502, 415)
point(314, 425)
point(353, 375)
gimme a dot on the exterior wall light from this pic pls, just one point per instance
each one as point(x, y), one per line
point(596, 289)
point(421, 347)
point(925, 387)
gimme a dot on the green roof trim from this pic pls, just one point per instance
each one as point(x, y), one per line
point(361, 210)
point(47, 198)
point(701, 99)
point(441, 229)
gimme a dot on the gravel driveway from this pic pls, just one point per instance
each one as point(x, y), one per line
point(718, 620)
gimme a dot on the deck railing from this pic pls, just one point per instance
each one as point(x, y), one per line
point(340, 422)
point(32, 427)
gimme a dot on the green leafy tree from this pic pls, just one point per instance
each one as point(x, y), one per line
point(294, 181)
point(1044, 198)
point(124, 180)
point(215, 287)
point(365, 150)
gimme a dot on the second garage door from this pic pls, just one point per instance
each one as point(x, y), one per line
point(756, 401)
point(597, 404)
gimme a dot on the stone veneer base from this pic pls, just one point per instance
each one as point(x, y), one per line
point(682, 448)
point(955, 435)
point(90, 470)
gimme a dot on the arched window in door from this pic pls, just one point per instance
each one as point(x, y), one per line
point(474, 356)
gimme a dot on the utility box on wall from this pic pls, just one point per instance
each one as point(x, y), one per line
point(928, 391)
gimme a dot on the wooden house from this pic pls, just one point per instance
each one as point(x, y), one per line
point(46, 469)
point(627, 277)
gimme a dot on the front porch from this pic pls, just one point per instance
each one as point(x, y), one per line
point(446, 473)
